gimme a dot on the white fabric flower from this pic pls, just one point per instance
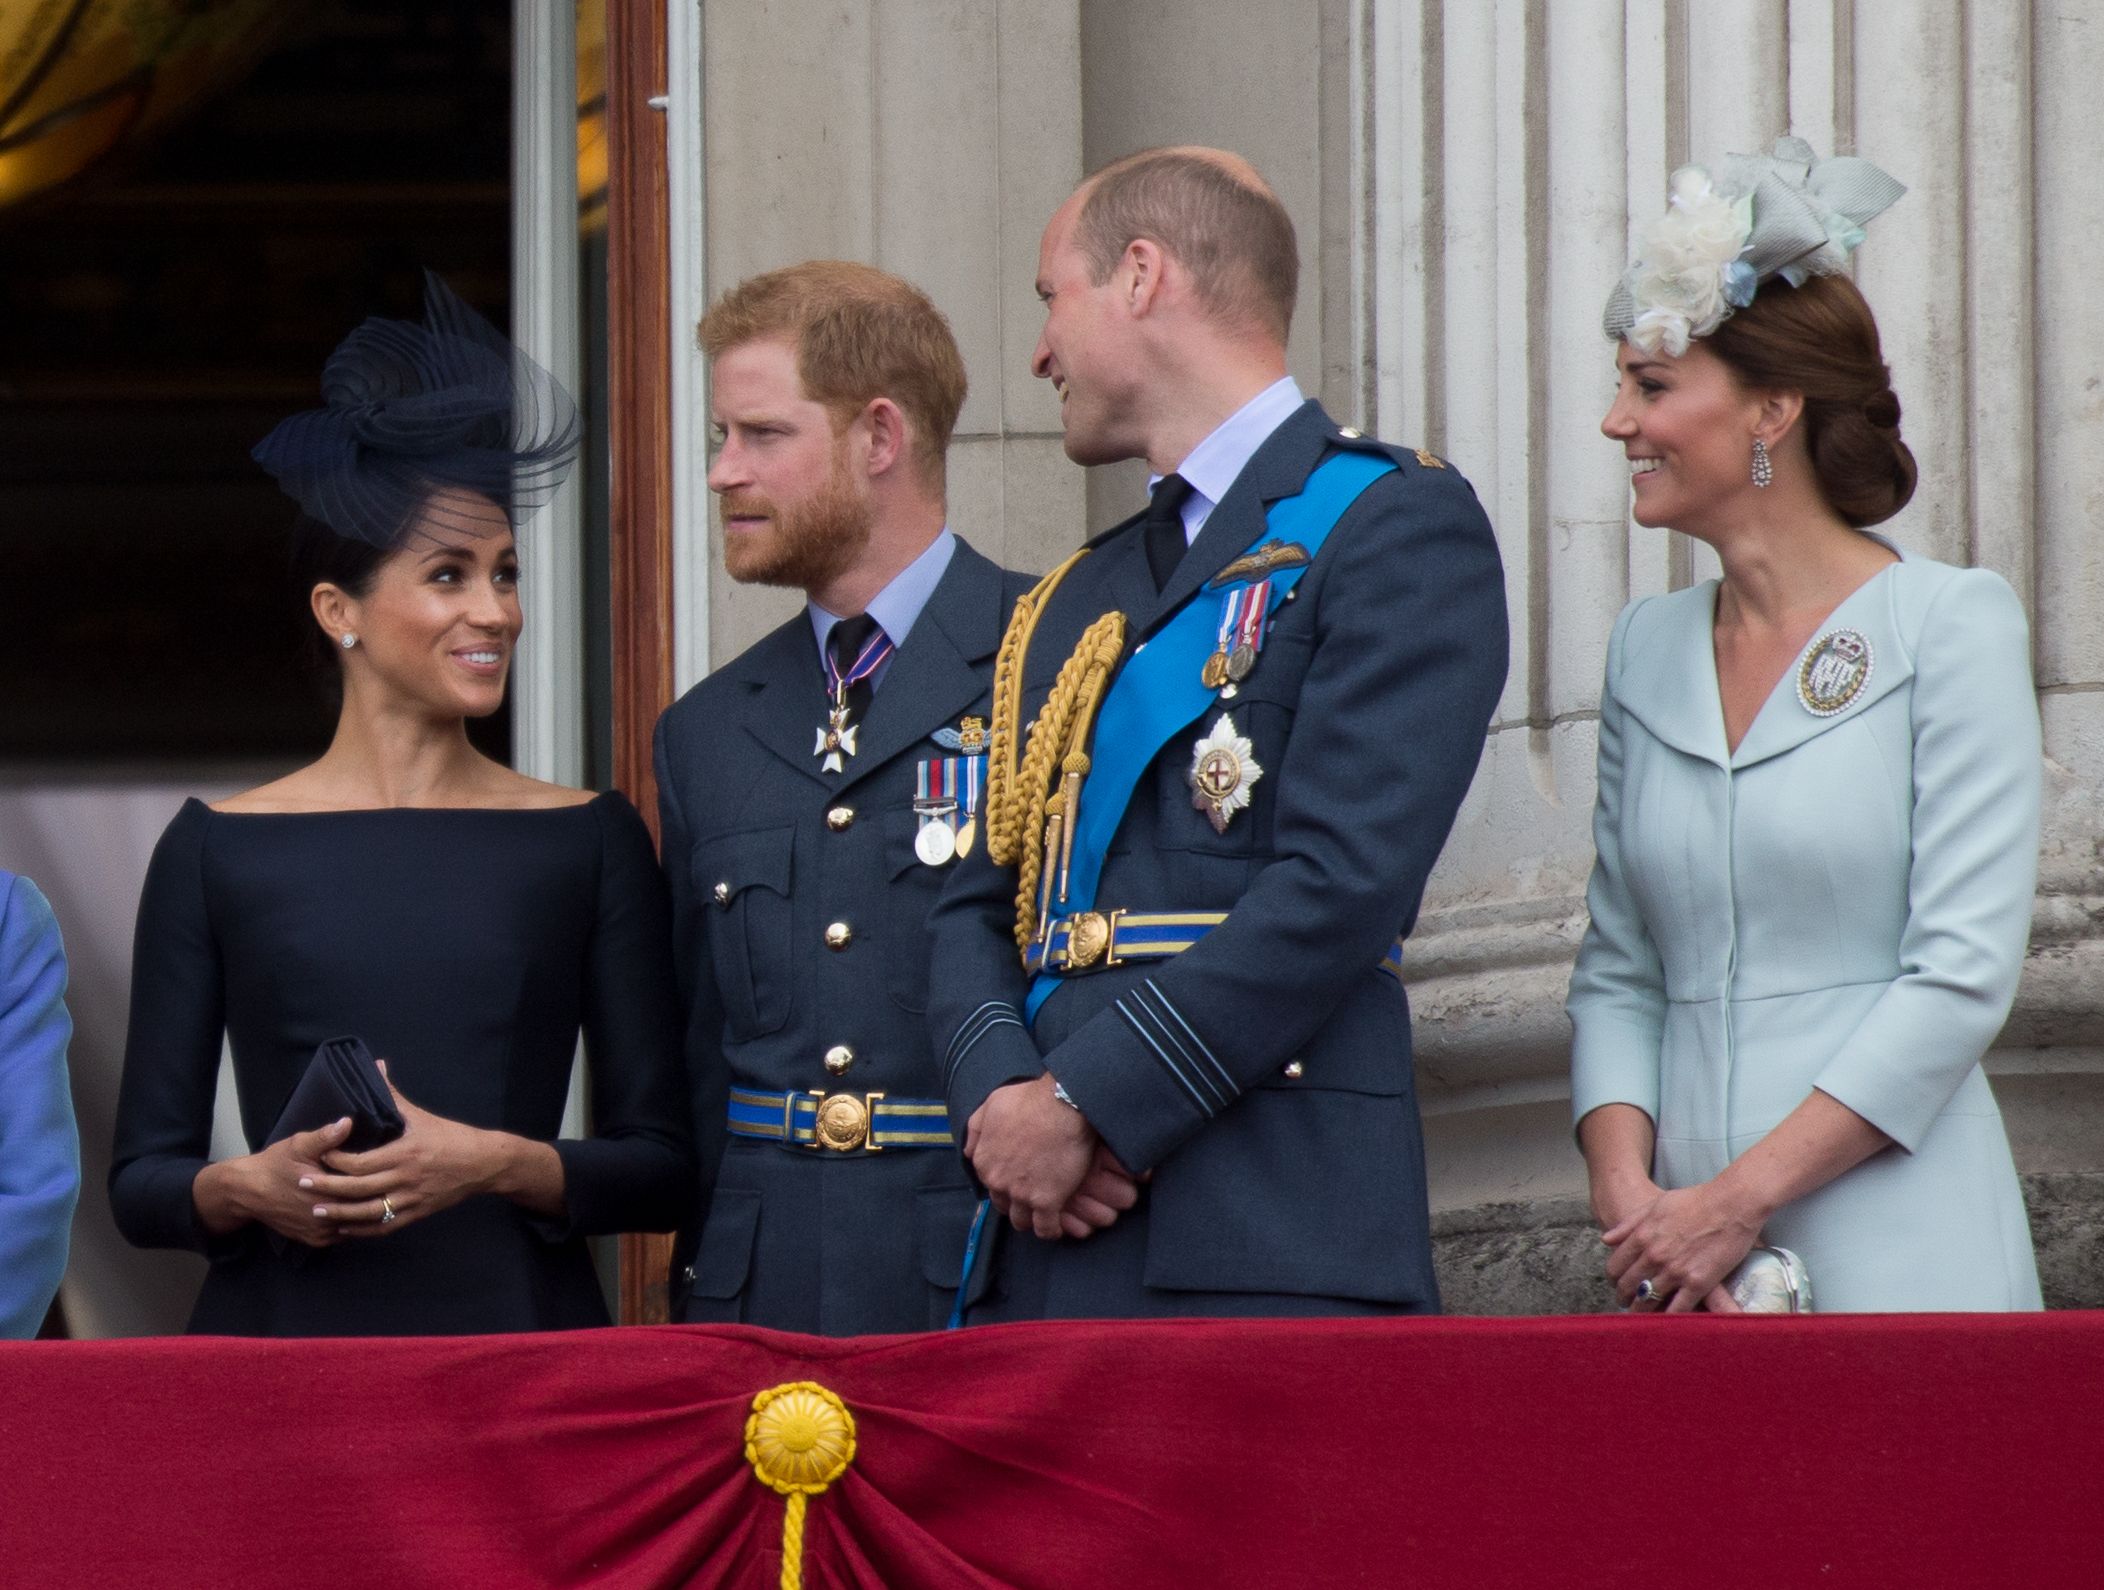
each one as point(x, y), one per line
point(1679, 282)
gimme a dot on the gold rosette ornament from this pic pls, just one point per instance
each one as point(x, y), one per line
point(799, 1438)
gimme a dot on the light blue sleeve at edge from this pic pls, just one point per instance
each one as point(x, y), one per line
point(39, 1144)
point(1978, 777)
point(1617, 1001)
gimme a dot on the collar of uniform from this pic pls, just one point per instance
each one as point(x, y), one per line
point(1668, 674)
point(933, 680)
point(898, 606)
point(927, 683)
point(1279, 468)
point(1212, 466)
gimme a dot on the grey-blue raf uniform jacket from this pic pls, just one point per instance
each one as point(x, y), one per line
point(809, 1239)
point(1264, 1075)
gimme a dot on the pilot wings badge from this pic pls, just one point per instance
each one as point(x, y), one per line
point(1269, 558)
point(1223, 769)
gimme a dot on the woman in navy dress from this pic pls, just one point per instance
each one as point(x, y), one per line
point(465, 920)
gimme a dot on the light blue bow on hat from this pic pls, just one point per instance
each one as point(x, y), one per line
point(1808, 215)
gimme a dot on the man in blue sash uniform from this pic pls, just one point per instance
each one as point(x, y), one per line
point(813, 794)
point(1297, 651)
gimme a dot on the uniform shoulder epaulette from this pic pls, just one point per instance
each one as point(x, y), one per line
point(1352, 437)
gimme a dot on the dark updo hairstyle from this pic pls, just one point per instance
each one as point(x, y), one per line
point(322, 557)
point(1821, 339)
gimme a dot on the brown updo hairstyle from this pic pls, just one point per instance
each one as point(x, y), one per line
point(1821, 339)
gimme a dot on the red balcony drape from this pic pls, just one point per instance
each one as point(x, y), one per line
point(1925, 1452)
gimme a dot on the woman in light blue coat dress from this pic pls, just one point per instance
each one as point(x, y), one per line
point(1817, 827)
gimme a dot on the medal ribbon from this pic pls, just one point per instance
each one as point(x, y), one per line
point(872, 657)
point(940, 781)
point(1256, 605)
point(1230, 620)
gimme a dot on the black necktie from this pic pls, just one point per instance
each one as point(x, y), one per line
point(849, 643)
point(1166, 542)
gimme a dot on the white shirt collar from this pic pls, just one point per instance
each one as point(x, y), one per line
point(1211, 466)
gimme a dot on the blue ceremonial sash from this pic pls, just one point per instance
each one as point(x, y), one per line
point(1159, 692)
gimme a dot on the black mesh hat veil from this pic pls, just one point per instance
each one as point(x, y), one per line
point(416, 414)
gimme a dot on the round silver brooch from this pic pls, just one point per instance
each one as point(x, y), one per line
point(1834, 672)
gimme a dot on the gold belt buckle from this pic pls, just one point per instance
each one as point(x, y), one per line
point(843, 1121)
point(1090, 937)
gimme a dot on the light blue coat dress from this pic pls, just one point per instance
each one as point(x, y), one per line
point(1842, 904)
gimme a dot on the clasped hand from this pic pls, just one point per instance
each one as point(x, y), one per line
point(1043, 1165)
point(433, 1165)
point(1684, 1242)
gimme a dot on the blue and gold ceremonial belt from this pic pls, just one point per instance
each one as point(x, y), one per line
point(842, 1122)
point(1088, 941)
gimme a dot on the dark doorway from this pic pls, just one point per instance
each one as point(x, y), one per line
point(160, 313)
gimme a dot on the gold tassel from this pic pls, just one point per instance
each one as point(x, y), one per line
point(799, 1438)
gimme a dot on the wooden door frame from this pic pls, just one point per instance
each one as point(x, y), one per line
point(640, 484)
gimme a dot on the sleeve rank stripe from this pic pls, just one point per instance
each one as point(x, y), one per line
point(1176, 1071)
point(965, 1035)
point(1211, 1059)
point(1139, 1001)
point(981, 1022)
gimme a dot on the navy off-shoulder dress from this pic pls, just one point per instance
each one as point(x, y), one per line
point(467, 947)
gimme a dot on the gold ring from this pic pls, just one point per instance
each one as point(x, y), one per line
point(387, 1210)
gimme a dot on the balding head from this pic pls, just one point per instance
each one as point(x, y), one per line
point(1211, 212)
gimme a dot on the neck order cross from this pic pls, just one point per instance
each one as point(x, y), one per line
point(855, 649)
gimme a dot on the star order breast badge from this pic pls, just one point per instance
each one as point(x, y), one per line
point(1223, 769)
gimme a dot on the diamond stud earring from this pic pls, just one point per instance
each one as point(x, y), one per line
point(349, 640)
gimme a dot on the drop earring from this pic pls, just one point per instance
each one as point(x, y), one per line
point(1763, 474)
point(349, 640)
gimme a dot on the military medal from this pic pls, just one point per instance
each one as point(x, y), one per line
point(1243, 614)
point(946, 800)
point(1214, 674)
point(1834, 672)
point(836, 736)
point(936, 842)
point(1223, 768)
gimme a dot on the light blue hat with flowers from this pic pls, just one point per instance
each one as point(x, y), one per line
point(1787, 214)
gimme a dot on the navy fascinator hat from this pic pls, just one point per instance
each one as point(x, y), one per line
point(415, 412)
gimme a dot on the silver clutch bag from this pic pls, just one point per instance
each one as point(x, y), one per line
point(1771, 1281)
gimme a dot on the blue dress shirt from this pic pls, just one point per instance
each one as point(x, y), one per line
point(1211, 466)
point(898, 606)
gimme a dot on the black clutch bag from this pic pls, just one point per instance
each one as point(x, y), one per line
point(342, 1079)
